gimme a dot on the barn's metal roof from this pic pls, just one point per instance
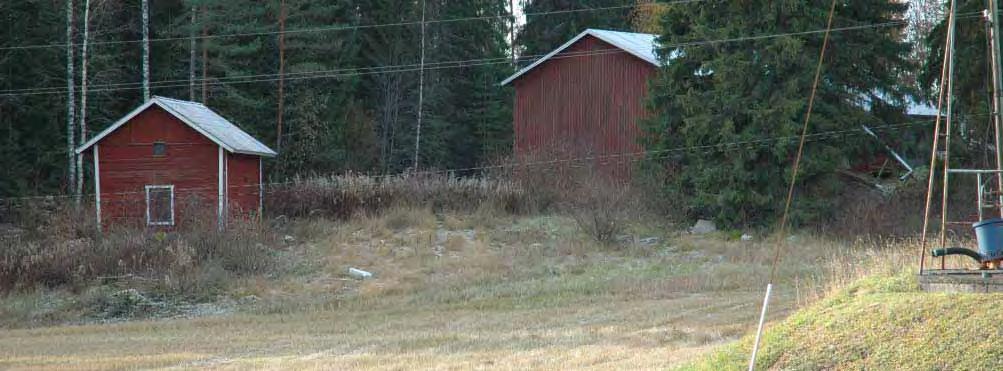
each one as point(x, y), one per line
point(202, 119)
point(913, 106)
point(640, 45)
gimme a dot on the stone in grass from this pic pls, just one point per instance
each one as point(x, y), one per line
point(359, 274)
point(289, 239)
point(703, 227)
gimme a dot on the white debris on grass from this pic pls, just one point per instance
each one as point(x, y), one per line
point(359, 274)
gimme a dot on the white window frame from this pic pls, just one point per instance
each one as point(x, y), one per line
point(168, 187)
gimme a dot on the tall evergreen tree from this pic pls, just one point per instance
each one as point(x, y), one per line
point(550, 23)
point(745, 92)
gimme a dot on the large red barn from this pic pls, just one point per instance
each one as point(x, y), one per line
point(585, 99)
point(170, 157)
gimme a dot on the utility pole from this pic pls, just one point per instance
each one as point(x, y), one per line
point(421, 88)
point(282, 71)
point(994, 40)
point(146, 50)
point(70, 100)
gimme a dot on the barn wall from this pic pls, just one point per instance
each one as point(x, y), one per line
point(242, 183)
point(127, 165)
point(587, 105)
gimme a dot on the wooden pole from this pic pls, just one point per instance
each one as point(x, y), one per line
point(936, 142)
point(947, 131)
point(997, 104)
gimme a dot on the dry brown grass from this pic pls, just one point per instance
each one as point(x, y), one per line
point(453, 291)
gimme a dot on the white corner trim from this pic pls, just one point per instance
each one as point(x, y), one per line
point(261, 187)
point(163, 186)
point(221, 174)
point(97, 187)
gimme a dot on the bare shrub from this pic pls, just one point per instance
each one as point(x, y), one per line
point(599, 207)
point(344, 196)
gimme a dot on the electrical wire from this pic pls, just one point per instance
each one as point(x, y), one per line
point(630, 156)
point(351, 27)
point(350, 72)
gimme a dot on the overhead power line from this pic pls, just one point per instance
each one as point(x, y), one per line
point(629, 156)
point(411, 67)
point(349, 27)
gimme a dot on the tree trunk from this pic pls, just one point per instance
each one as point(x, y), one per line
point(191, 58)
point(282, 69)
point(83, 99)
point(146, 50)
point(205, 57)
point(70, 100)
point(421, 89)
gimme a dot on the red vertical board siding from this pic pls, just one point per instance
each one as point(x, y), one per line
point(242, 184)
point(128, 166)
point(583, 105)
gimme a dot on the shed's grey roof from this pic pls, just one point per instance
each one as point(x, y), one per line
point(640, 45)
point(202, 119)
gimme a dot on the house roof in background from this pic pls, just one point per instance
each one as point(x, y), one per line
point(640, 45)
point(199, 117)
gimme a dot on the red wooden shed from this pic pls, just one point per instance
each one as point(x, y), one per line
point(170, 158)
point(585, 99)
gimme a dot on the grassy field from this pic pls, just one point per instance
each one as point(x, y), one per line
point(456, 292)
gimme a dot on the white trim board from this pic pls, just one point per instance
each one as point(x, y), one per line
point(97, 187)
point(164, 186)
point(599, 34)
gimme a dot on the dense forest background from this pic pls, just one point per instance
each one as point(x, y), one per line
point(351, 77)
point(353, 90)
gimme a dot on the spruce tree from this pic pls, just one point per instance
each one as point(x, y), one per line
point(755, 92)
point(550, 23)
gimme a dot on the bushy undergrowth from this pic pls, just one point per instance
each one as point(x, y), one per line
point(66, 250)
point(343, 196)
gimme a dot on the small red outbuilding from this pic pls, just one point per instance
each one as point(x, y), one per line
point(171, 158)
point(586, 98)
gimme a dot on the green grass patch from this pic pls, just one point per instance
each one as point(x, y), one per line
point(878, 323)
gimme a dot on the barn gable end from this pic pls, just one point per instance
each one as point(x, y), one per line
point(585, 100)
point(170, 161)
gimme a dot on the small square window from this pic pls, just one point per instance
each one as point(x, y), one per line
point(159, 149)
point(160, 205)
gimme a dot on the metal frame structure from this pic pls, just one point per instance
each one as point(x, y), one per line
point(942, 139)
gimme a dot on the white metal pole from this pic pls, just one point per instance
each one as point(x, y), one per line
point(759, 330)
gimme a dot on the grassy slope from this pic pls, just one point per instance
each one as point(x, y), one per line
point(879, 323)
point(525, 293)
